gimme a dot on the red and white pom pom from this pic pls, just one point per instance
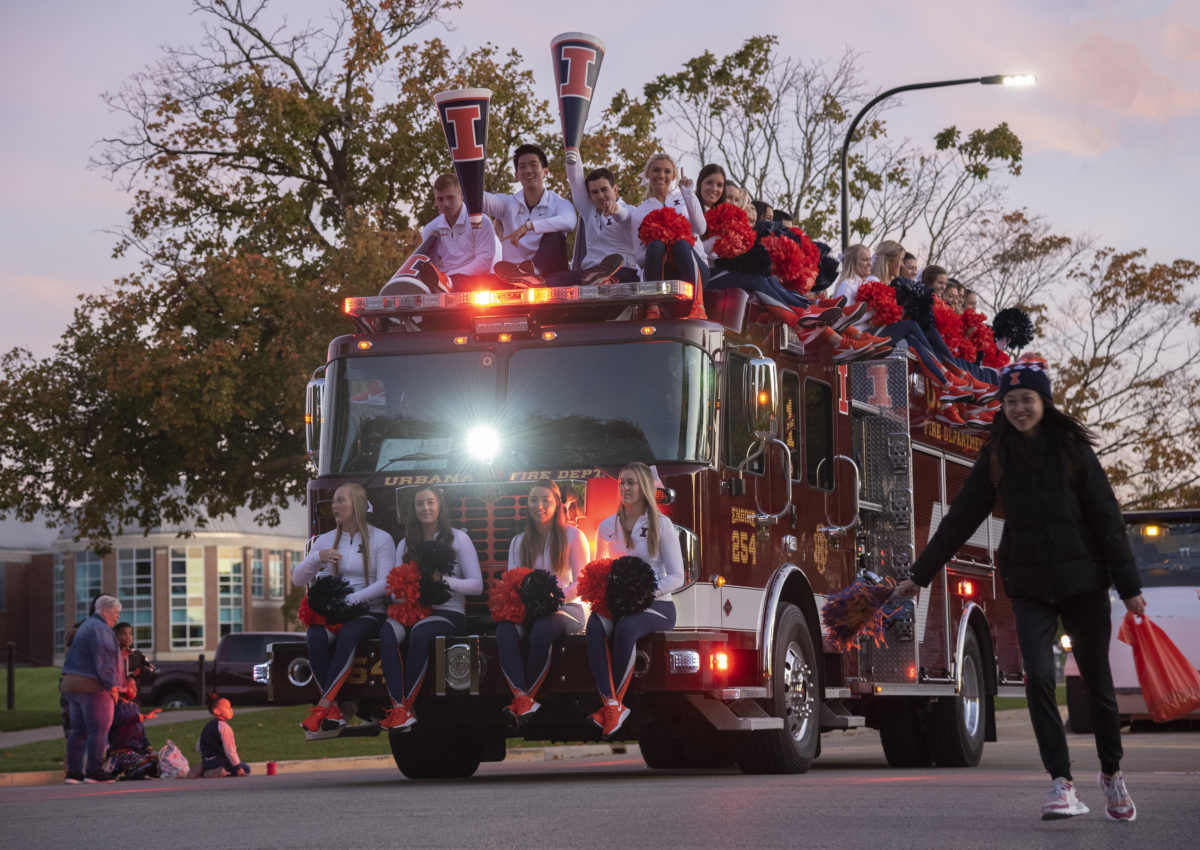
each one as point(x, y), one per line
point(666, 226)
point(404, 586)
point(593, 586)
point(504, 597)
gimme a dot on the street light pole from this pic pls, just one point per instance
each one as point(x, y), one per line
point(991, 80)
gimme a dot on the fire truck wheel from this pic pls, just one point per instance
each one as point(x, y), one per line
point(1079, 711)
point(434, 755)
point(956, 724)
point(900, 721)
point(663, 751)
point(796, 700)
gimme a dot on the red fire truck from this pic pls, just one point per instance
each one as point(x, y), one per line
point(787, 475)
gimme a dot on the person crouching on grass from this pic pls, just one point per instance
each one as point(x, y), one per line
point(217, 747)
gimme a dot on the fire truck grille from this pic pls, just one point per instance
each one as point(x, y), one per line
point(491, 519)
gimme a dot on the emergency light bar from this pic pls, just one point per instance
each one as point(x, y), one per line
point(403, 305)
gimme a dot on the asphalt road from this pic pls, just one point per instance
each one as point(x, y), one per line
point(850, 799)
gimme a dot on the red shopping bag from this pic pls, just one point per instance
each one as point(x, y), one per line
point(1170, 683)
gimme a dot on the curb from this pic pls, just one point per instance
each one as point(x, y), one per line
point(259, 768)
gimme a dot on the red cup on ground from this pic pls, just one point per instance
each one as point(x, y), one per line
point(270, 768)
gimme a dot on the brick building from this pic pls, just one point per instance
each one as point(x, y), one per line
point(180, 593)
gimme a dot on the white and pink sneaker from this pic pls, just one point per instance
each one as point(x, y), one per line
point(1062, 802)
point(1118, 805)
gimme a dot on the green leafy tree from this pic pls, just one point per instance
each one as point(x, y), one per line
point(274, 170)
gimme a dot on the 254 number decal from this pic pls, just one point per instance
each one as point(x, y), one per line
point(744, 551)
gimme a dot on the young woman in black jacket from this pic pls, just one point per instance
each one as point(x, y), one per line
point(1064, 545)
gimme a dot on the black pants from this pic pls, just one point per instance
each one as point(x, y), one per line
point(551, 255)
point(1087, 620)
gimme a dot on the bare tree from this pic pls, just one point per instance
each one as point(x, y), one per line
point(1127, 361)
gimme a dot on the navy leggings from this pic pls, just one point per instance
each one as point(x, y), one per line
point(528, 675)
point(686, 262)
point(769, 290)
point(330, 669)
point(404, 678)
point(983, 373)
point(612, 670)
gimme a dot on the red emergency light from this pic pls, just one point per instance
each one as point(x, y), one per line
point(965, 587)
point(720, 661)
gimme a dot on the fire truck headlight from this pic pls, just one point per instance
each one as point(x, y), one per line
point(483, 442)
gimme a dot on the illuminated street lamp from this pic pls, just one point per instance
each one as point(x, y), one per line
point(992, 80)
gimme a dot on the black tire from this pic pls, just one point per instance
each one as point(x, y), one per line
point(662, 750)
point(435, 755)
point(1079, 707)
point(901, 724)
point(797, 700)
point(957, 724)
point(178, 699)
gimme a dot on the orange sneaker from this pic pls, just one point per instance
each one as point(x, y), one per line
point(333, 718)
point(398, 718)
point(312, 723)
point(614, 717)
point(597, 717)
point(948, 415)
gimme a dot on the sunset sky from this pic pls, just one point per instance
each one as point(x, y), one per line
point(1110, 133)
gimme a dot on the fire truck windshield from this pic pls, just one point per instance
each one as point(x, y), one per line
point(549, 406)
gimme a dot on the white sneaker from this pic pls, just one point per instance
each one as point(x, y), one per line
point(1118, 805)
point(1061, 802)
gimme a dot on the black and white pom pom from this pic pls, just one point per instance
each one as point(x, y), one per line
point(632, 586)
point(327, 597)
point(432, 556)
point(1013, 324)
point(541, 594)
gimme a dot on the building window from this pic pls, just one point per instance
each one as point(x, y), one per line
point(275, 573)
point(229, 590)
point(256, 573)
point(135, 589)
point(87, 583)
point(60, 604)
point(187, 598)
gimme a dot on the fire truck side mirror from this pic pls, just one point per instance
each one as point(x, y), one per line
point(312, 415)
point(761, 402)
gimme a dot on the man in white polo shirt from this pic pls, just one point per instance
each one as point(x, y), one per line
point(607, 228)
point(534, 221)
point(462, 251)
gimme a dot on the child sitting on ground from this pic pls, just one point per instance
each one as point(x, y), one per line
point(218, 750)
point(130, 755)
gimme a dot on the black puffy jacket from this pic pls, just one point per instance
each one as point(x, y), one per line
point(1064, 535)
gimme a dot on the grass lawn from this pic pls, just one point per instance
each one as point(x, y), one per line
point(36, 703)
point(271, 735)
point(36, 688)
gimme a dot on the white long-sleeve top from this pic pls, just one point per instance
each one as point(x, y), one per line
point(603, 234)
point(466, 579)
point(551, 213)
point(463, 249)
point(382, 559)
point(577, 558)
point(849, 287)
point(227, 743)
point(684, 202)
point(667, 564)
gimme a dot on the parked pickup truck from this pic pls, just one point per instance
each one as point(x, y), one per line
point(229, 674)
